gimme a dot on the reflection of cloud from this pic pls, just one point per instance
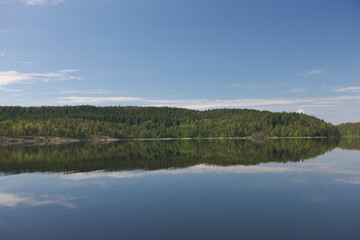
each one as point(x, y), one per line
point(316, 199)
point(355, 180)
point(13, 199)
point(299, 180)
point(203, 169)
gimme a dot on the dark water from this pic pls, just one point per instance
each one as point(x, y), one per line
point(208, 189)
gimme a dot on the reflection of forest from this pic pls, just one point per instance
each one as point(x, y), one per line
point(350, 143)
point(151, 155)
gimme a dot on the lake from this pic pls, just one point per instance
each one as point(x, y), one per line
point(182, 189)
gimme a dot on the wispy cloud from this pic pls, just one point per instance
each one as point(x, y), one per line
point(42, 2)
point(253, 85)
point(71, 91)
point(12, 77)
point(95, 100)
point(314, 73)
point(205, 103)
point(348, 89)
point(10, 90)
point(25, 62)
point(2, 54)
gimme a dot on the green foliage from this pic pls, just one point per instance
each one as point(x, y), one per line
point(156, 122)
point(349, 129)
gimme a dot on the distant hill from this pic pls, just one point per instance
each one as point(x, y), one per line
point(349, 129)
point(156, 122)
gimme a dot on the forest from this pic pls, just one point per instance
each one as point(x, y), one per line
point(156, 122)
point(349, 129)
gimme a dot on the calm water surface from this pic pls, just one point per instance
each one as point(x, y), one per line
point(209, 189)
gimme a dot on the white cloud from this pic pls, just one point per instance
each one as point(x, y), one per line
point(2, 54)
point(71, 91)
point(10, 90)
point(94, 100)
point(25, 62)
point(12, 200)
point(42, 2)
point(314, 73)
point(12, 77)
point(206, 103)
point(256, 86)
point(300, 110)
point(187, 103)
point(348, 89)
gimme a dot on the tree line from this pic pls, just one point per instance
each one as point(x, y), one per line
point(156, 122)
point(349, 129)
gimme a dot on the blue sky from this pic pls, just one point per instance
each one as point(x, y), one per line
point(200, 54)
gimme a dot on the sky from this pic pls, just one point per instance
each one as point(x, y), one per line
point(293, 56)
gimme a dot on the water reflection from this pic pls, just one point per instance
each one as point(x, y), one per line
point(155, 155)
point(310, 167)
point(195, 190)
point(349, 143)
point(15, 199)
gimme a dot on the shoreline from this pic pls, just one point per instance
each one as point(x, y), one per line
point(59, 140)
point(52, 140)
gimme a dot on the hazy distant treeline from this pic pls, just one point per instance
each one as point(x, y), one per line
point(154, 122)
point(349, 129)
